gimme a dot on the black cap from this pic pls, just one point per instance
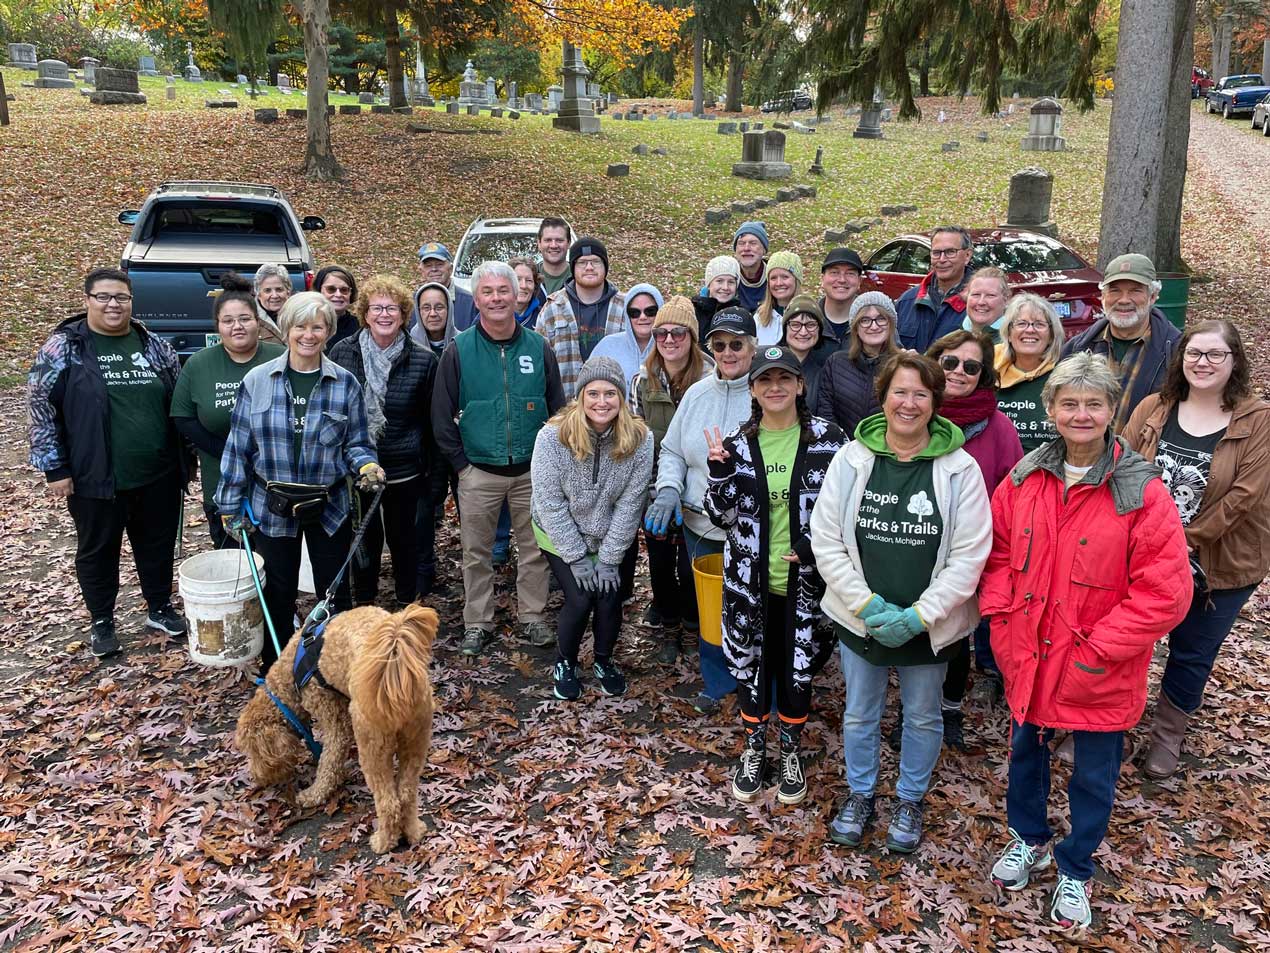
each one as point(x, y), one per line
point(735, 320)
point(775, 356)
point(842, 256)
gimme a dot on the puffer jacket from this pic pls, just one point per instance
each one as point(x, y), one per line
point(919, 323)
point(1080, 585)
point(846, 393)
point(592, 505)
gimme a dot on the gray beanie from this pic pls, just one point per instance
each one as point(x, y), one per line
point(875, 299)
point(602, 369)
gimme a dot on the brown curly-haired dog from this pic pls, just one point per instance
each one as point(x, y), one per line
point(380, 664)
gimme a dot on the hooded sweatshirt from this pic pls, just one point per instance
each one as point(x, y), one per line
point(417, 332)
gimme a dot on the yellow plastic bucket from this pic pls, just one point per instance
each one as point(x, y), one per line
point(707, 575)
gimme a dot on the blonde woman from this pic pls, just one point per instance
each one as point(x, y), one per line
point(1031, 344)
point(590, 471)
point(987, 294)
point(784, 280)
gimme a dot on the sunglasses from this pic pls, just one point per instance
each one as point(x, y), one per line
point(660, 334)
point(950, 362)
point(649, 312)
point(720, 346)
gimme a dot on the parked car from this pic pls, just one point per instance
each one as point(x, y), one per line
point(1236, 94)
point(1260, 115)
point(1201, 82)
point(789, 101)
point(495, 239)
point(1033, 262)
point(186, 235)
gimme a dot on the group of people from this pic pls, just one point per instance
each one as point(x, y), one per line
point(929, 485)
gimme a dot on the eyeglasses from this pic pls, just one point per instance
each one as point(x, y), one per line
point(1216, 358)
point(720, 346)
point(805, 327)
point(649, 312)
point(950, 362)
point(678, 334)
point(384, 309)
point(593, 263)
point(432, 309)
point(945, 252)
point(243, 321)
point(873, 322)
point(102, 298)
point(1030, 325)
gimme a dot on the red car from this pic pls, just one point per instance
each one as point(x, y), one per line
point(1033, 262)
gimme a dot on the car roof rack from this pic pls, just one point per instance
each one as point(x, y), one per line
point(205, 186)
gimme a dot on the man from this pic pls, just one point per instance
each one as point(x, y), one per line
point(587, 308)
point(749, 247)
point(840, 275)
point(1135, 337)
point(99, 394)
point(935, 307)
point(497, 384)
point(436, 264)
point(553, 248)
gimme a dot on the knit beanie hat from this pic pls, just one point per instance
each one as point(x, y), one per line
point(757, 229)
point(804, 305)
point(678, 310)
point(875, 299)
point(602, 369)
point(722, 265)
point(588, 246)
point(645, 290)
point(789, 261)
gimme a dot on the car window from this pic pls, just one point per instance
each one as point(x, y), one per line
point(1026, 255)
point(208, 218)
point(917, 261)
point(1241, 81)
point(887, 257)
point(495, 246)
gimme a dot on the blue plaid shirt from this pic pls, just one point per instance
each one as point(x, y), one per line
point(261, 443)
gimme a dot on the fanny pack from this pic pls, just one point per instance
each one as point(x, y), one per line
point(299, 501)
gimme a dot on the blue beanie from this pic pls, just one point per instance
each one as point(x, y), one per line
point(644, 290)
point(757, 229)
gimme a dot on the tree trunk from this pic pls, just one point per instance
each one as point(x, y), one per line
point(1141, 195)
point(698, 65)
point(392, 45)
point(736, 73)
point(320, 163)
point(1168, 243)
point(923, 70)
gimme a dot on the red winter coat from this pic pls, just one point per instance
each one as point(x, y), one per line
point(1080, 589)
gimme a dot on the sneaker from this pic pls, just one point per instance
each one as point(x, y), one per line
point(538, 634)
point(652, 617)
point(168, 620)
point(793, 789)
point(567, 687)
point(501, 555)
point(1069, 907)
point(954, 737)
point(668, 651)
point(705, 704)
point(474, 640)
point(747, 780)
point(847, 826)
point(104, 641)
point(612, 681)
point(905, 832)
point(1014, 867)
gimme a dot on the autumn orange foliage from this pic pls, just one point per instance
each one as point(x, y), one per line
point(619, 29)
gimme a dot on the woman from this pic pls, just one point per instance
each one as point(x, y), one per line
point(900, 534)
point(1211, 437)
point(847, 391)
point(530, 295)
point(434, 328)
point(719, 400)
point(784, 280)
point(337, 285)
point(631, 346)
point(970, 401)
point(590, 467)
point(723, 275)
point(674, 365)
point(1031, 344)
point(764, 481)
point(205, 391)
point(1088, 570)
point(987, 294)
point(272, 288)
point(804, 334)
point(300, 419)
point(396, 375)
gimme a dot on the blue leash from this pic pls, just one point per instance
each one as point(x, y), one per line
point(255, 577)
point(300, 728)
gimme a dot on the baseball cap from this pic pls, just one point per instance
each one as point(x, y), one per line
point(733, 320)
point(775, 356)
point(842, 256)
point(434, 250)
point(1132, 267)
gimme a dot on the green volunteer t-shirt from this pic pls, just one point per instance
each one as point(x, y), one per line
point(1022, 404)
point(302, 384)
point(141, 450)
point(207, 390)
point(553, 283)
point(898, 529)
point(779, 449)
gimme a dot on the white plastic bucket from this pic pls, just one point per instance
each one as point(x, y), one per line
point(226, 622)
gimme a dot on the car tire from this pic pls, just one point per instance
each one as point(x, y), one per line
point(1265, 129)
point(1225, 111)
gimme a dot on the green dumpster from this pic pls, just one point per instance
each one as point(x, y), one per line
point(1175, 292)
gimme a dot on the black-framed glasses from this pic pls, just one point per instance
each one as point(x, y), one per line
point(102, 297)
point(736, 344)
point(950, 362)
point(649, 312)
point(383, 309)
point(945, 252)
point(1216, 358)
point(678, 334)
point(873, 322)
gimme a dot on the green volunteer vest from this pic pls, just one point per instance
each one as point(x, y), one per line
point(503, 396)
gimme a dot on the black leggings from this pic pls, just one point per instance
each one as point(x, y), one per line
point(777, 667)
point(670, 576)
point(396, 519)
point(603, 610)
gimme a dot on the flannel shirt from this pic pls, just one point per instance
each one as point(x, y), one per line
point(335, 445)
point(558, 324)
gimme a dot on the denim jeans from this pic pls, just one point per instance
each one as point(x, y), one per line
point(921, 688)
point(1091, 792)
point(503, 531)
point(715, 674)
point(1193, 645)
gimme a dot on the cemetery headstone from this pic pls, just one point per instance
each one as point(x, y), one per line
point(741, 207)
point(870, 125)
point(170, 91)
point(661, 151)
point(381, 109)
point(241, 79)
point(716, 215)
point(763, 156)
point(145, 67)
point(473, 110)
point(727, 128)
point(786, 195)
point(266, 115)
point(452, 108)
point(53, 74)
point(533, 100)
point(471, 90)
point(554, 95)
point(744, 126)
point(22, 55)
point(297, 113)
point(1031, 191)
point(89, 65)
point(116, 87)
point(575, 111)
point(491, 93)
point(634, 115)
point(640, 150)
point(950, 147)
point(617, 169)
point(192, 72)
point(513, 114)
point(349, 109)
point(981, 136)
point(1044, 127)
point(513, 99)
point(496, 112)
point(818, 166)
point(366, 99)
point(284, 83)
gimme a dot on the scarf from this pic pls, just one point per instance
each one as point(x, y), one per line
point(1009, 374)
point(979, 404)
point(377, 363)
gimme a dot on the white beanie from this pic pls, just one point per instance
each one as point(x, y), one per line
point(722, 265)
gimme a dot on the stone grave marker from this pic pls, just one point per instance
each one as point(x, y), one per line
point(297, 113)
point(763, 156)
point(513, 114)
point(1031, 191)
point(634, 115)
point(240, 79)
point(870, 125)
point(617, 169)
point(117, 87)
point(350, 109)
point(950, 146)
point(660, 151)
point(53, 74)
point(727, 128)
point(818, 166)
point(744, 126)
point(473, 110)
point(496, 112)
point(804, 129)
point(533, 101)
point(452, 108)
point(22, 55)
point(145, 67)
point(381, 109)
point(741, 207)
point(89, 65)
point(640, 150)
point(192, 72)
point(981, 136)
point(221, 103)
point(284, 84)
point(716, 215)
point(1044, 127)
point(491, 93)
point(266, 115)
point(366, 99)
point(787, 195)
point(170, 90)
point(554, 95)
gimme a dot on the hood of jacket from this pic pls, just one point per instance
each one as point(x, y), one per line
point(417, 332)
point(571, 289)
point(1126, 472)
point(945, 437)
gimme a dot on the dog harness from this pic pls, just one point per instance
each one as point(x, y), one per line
point(298, 726)
point(308, 653)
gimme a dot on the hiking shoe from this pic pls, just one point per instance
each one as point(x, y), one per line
point(747, 780)
point(567, 687)
point(538, 634)
point(474, 640)
point(501, 555)
point(104, 641)
point(793, 789)
point(705, 704)
point(668, 651)
point(905, 832)
point(847, 826)
point(612, 681)
point(652, 617)
point(1014, 867)
point(168, 620)
point(1069, 907)
point(989, 688)
point(954, 737)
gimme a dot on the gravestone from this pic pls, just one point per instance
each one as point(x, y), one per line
point(1031, 190)
point(744, 126)
point(1044, 127)
point(473, 110)
point(554, 95)
point(513, 99)
point(145, 67)
point(471, 90)
point(513, 114)
point(452, 108)
point(634, 115)
point(192, 72)
point(981, 137)
point(366, 99)
point(818, 166)
point(803, 128)
point(716, 215)
point(575, 112)
point(763, 156)
point(53, 74)
point(89, 65)
point(496, 112)
point(619, 115)
point(297, 113)
point(870, 125)
point(755, 126)
point(22, 55)
point(533, 101)
point(380, 109)
point(240, 79)
point(661, 151)
point(419, 93)
point(950, 146)
point(741, 207)
point(284, 83)
point(221, 103)
point(491, 93)
point(266, 115)
point(170, 90)
point(349, 109)
point(117, 87)
point(640, 150)
point(617, 169)
point(727, 128)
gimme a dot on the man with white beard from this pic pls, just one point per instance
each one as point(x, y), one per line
point(1135, 337)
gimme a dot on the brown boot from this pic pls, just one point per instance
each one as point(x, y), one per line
point(1167, 732)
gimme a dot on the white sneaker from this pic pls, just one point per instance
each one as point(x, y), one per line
point(1014, 867)
point(1070, 906)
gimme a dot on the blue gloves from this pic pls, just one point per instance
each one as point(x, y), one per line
point(663, 509)
point(896, 627)
point(583, 573)
point(607, 578)
point(874, 607)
